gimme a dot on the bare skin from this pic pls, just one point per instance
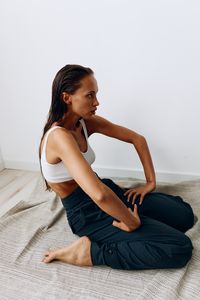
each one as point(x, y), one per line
point(83, 104)
point(77, 253)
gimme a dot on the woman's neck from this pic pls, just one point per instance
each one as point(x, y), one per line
point(70, 122)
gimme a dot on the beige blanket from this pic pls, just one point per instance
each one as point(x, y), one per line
point(39, 222)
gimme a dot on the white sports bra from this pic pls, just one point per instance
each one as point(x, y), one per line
point(58, 172)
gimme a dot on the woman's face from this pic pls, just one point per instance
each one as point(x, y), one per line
point(84, 101)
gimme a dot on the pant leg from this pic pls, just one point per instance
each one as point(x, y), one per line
point(154, 245)
point(171, 210)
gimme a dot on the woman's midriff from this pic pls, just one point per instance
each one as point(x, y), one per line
point(63, 189)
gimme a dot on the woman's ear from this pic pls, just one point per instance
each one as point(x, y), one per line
point(66, 97)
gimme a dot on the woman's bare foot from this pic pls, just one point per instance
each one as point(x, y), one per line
point(78, 253)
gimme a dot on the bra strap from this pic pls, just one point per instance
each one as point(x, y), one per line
point(46, 137)
point(84, 128)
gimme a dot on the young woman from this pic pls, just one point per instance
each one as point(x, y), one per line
point(124, 229)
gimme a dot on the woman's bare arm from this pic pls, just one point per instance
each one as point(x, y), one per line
point(66, 148)
point(98, 124)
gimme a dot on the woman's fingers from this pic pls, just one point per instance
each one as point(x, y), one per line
point(134, 197)
point(130, 210)
point(126, 193)
point(116, 224)
point(121, 225)
point(130, 194)
point(135, 212)
point(133, 194)
point(141, 198)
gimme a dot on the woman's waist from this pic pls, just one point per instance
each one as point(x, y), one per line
point(73, 195)
point(64, 189)
point(76, 199)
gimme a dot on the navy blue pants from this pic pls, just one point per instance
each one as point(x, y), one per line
point(160, 242)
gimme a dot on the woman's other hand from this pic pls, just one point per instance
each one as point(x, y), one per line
point(121, 225)
point(139, 191)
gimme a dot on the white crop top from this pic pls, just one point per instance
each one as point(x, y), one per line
point(58, 172)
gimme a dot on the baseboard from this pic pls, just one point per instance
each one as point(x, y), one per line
point(161, 176)
point(22, 165)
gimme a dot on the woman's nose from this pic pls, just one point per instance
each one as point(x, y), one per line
point(96, 102)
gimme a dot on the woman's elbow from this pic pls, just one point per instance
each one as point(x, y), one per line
point(140, 141)
point(100, 198)
point(101, 195)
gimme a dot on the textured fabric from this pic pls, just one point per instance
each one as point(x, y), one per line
point(58, 172)
point(39, 222)
point(154, 245)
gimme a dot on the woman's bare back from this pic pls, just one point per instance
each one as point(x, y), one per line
point(63, 189)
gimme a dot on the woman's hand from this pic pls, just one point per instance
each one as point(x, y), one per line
point(121, 225)
point(139, 191)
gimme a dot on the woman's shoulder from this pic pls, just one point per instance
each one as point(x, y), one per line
point(55, 134)
point(50, 135)
point(53, 130)
point(94, 124)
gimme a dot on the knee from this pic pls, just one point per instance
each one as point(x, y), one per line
point(190, 219)
point(174, 254)
point(183, 253)
point(187, 218)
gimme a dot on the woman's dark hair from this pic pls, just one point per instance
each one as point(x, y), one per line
point(66, 80)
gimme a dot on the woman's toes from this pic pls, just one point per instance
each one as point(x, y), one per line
point(48, 257)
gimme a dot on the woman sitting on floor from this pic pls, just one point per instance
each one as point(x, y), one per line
point(132, 229)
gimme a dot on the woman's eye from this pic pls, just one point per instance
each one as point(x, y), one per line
point(90, 96)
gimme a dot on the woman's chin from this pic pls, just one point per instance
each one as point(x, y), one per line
point(91, 113)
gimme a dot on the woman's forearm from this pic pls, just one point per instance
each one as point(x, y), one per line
point(146, 160)
point(114, 207)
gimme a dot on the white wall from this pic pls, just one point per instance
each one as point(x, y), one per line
point(145, 55)
point(1, 161)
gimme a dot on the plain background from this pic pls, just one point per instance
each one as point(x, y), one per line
point(145, 55)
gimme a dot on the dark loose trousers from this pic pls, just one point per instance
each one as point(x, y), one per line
point(160, 242)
